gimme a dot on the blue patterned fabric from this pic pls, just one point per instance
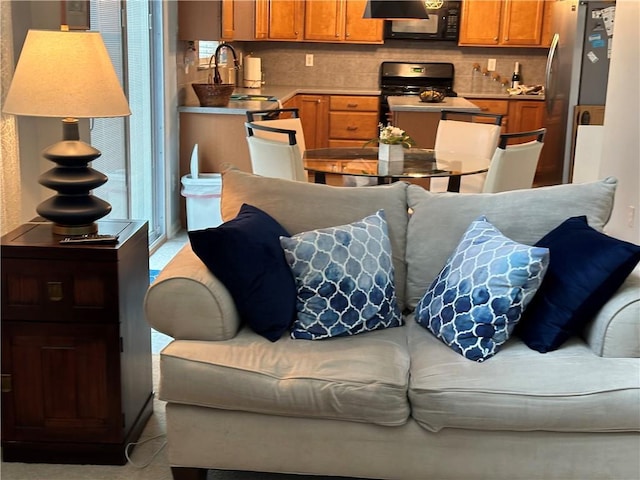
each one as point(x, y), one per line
point(344, 279)
point(478, 297)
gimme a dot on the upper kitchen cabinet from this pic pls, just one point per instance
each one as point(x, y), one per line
point(199, 20)
point(285, 19)
point(340, 21)
point(508, 23)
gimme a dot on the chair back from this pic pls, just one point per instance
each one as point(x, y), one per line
point(284, 118)
point(475, 134)
point(276, 155)
point(513, 167)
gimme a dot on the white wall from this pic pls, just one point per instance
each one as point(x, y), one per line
point(621, 136)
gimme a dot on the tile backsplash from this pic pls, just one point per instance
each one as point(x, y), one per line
point(338, 65)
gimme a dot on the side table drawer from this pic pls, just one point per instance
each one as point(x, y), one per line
point(33, 290)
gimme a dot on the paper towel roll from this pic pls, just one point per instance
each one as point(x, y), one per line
point(252, 72)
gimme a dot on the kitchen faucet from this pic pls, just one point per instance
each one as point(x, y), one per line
point(216, 73)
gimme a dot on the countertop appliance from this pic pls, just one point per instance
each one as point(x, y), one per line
point(440, 23)
point(577, 69)
point(407, 78)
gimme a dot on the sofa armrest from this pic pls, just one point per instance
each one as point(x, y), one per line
point(615, 330)
point(187, 302)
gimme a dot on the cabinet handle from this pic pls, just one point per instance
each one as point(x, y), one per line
point(6, 383)
point(352, 129)
point(352, 105)
point(495, 39)
point(54, 290)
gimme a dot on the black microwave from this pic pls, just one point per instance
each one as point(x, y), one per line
point(442, 23)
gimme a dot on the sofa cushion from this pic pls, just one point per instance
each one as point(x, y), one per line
point(586, 268)
point(344, 279)
point(525, 216)
point(324, 206)
point(245, 254)
point(568, 390)
point(362, 378)
point(479, 295)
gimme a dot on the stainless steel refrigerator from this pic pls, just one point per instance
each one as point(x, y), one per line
point(577, 70)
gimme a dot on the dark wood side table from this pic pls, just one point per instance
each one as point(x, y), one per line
point(76, 350)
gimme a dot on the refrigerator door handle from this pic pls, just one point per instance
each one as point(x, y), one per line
point(549, 77)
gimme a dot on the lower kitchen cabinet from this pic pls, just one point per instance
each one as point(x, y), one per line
point(353, 120)
point(314, 116)
point(76, 349)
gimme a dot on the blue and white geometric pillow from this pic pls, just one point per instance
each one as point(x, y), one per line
point(478, 297)
point(344, 279)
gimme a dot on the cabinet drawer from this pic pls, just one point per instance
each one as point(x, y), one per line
point(492, 106)
point(33, 290)
point(353, 125)
point(353, 103)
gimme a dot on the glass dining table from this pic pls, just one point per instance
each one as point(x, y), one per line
point(418, 163)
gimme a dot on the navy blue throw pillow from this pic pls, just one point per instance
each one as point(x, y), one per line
point(245, 255)
point(586, 267)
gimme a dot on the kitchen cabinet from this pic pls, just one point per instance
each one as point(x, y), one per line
point(198, 20)
point(495, 106)
point(285, 20)
point(76, 349)
point(340, 21)
point(504, 23)
point(353, 119)
point(314, 115)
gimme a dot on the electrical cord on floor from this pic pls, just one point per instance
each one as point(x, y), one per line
point(155, 454)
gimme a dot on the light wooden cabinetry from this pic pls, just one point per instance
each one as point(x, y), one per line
point(498, 107)
point(285, 20)
point(352, 120)
point(314, 115)
point(340, 21)
point(504, 23)
point(199, 20)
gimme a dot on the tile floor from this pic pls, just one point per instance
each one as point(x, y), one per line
point(157, 261)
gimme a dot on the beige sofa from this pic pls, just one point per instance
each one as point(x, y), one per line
point(397, 403)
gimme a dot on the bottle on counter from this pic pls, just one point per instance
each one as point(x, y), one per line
point(476, 79)
point(515, 78)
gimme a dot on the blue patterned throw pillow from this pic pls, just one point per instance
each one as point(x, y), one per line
point(478, 297)
point(344, 279)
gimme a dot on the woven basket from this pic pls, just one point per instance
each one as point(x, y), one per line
point(213, 94)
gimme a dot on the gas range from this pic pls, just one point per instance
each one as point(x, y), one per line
point(411, 78)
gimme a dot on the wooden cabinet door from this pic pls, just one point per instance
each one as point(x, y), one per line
point(64, 382)
point(199, 20)
point(324, 20)
point(480, 22)
point(547, 24)
point(227, 19)
point(314, 115)
point(522, 22)
point(286, 19)
point(261, 19)
point(358, 29)
point(525, 115)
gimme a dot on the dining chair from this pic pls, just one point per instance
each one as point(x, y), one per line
point(513, 166)
point(287, 118)
point(275, 152)
point(472, 133)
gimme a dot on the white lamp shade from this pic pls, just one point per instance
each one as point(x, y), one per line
point(65, 74)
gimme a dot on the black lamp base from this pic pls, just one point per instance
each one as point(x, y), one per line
point(73, 210)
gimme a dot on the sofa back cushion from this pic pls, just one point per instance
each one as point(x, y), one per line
point(439, 220)
point(300, 207)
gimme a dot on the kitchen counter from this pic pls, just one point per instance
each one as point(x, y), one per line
point(412, 103)
point(280, 93)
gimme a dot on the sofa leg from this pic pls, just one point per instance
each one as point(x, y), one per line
point(188, 473)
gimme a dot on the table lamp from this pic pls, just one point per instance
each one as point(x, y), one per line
point(68, 74)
